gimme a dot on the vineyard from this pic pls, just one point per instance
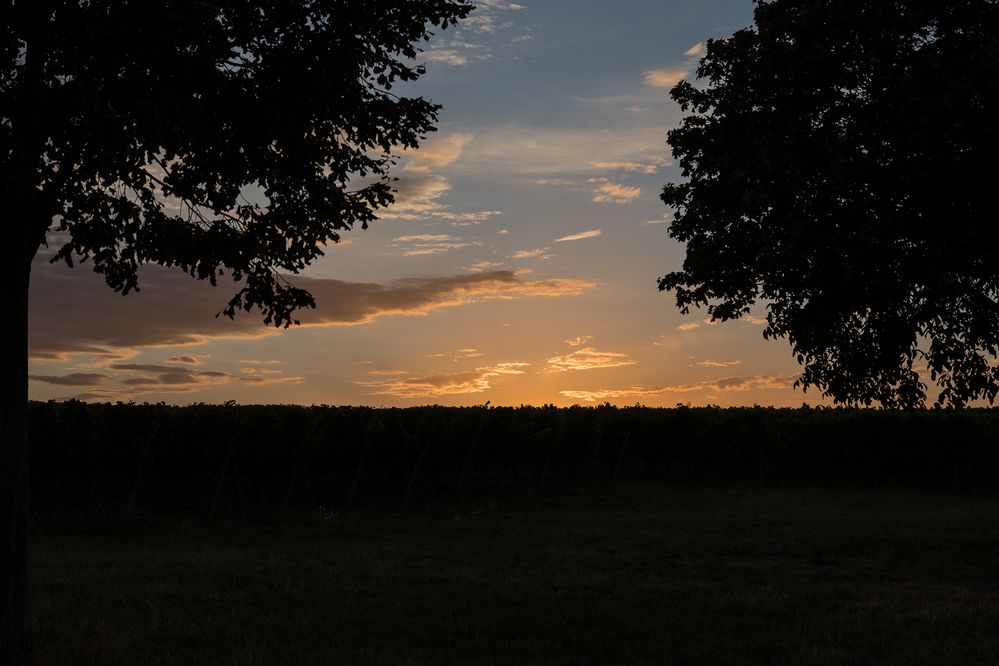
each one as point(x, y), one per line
point(224, 459)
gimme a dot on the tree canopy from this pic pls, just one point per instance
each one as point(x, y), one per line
point(220, 137)
point(140, 126)
point(840, 166)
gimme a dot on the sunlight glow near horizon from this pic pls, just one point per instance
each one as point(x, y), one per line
point(518, 265)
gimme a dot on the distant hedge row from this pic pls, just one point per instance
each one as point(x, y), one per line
point(214, 459)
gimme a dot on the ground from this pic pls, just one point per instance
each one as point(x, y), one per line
point(632, 574)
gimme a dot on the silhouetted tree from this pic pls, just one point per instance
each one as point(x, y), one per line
point(136, 129)
point(841, 165)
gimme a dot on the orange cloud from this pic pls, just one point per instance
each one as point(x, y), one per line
point(256, 380)
point(416, 197)
point(583, 235)
point(665, 78)
point(696, 51)
point(425, 244)
point(437, 153)
point(716, 364)
point(588, 358)
point(757, 382)
point(484, 265)
point(73, 312)
point(539, 253)
point(435, 386)
point(614, 193)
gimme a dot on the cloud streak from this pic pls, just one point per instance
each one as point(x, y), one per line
point(583, 235)
point(73, 312)
point(427, 244)
point(588, 358)
point(436, 386)
point(630, 166)
point(551, 156)
point(72, 379)
point(716, 364)
point(726, 384)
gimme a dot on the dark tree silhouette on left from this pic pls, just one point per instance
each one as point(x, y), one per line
point(131, 131)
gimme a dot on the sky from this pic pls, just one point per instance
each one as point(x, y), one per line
point(518, 265)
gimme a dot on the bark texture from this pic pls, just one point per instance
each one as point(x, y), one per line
point(15, 268)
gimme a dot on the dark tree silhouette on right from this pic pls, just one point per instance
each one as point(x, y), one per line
point(841, 165)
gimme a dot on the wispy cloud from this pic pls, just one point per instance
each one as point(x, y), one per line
point(449, 56)
point(588, 358)
point(739, 384)
point(551, 156)
point(650, 167)
point(258, 381)
point(615, 193)
point(421, 197)
point(538, 253)
point(583, 235)
point(752, 320)
point(466, 219)
point(500, 4)
point(670, 76)
point(665, 78)
point(426, 244)
point(479, 266)
point(696, 51)
point(481, 36)
point(437, 153)
point(458, 355)
point(716, 364)
point(192, 359)
point(417, 197)
point(554, 182)
point(665, 219)
point(435, 386)
point(579, 340)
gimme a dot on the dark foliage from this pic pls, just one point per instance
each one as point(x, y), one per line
point(231, 139)
point(841, 166)
point(199, 459)
point(141, 125)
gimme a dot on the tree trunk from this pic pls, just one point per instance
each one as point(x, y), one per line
point(15, 267)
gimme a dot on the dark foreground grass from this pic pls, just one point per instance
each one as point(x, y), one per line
point(643, 574)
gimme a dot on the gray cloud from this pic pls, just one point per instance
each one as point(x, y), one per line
point(72, 311)
point(168, 375)
point(73, 379)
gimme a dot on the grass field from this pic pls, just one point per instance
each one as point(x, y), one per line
point(640, 574)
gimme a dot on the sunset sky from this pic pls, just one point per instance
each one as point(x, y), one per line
point(519, 264)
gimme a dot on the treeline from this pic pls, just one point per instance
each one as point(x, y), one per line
point(215, 459)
